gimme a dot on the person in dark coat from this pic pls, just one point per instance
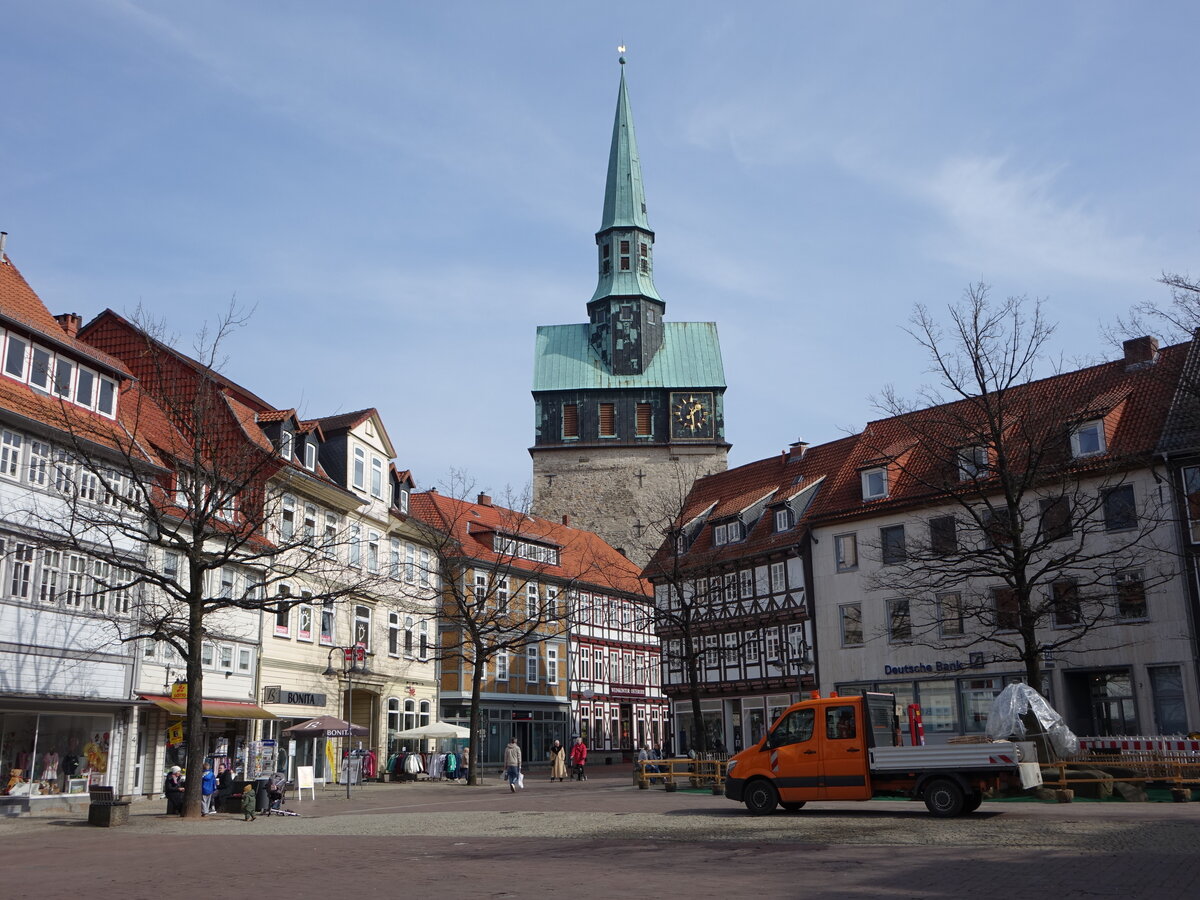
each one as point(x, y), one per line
point(248, 804)
point(224, 788)
point(173, 791)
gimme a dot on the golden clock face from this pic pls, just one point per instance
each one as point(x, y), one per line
point(691, 414)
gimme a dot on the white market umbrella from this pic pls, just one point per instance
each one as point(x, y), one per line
point(434, 730)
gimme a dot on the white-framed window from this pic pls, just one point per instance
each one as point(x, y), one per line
point(731, 587)
point(362, 627)
point(10, 454)
point(285, 444)
point(283, 612)
point(39, 462)
point(845, 548)
point(76, 586)
point(394, 633)
point(973, 463)
point(327, 622)
point(746, 583)
point(330, 537)
point(226, 574)
point(892, 548)
point(208, 654)
point(533, 600)
point(376, 476)
point(720, 535)
point(1087, 439)
point(711, 651)
point(552, 609)
point(501, 594)
point(372, 551)
point(408, 635)
point(16, 357)
point(874, 483)
point(225, 657)
point(310, 456)
point(852, 624)
point(394, 558)
point(410, 714)
point(502, 666)
point(899, 620)
point(778, 577)
point(532, 663)
point(355, 545)
point(310, 524)
point(402, 500)
point(287, 517)
point(428, 578)
point(393, 714)
point(360, 468)
point(245, 660)
point(750, 647)
point(304, 627)
point(48, 584)
point(729, 649)
point(21, 571)
point(585, 664)
point(423, 714)
point(423, 641)
point(783, 519)
point(410, 564)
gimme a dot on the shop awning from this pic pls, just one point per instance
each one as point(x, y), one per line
point(213, 709)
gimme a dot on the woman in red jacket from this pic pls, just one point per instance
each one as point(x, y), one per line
point(579, 759)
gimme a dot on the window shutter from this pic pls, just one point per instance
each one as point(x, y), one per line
point(608, 419)
point(643, 419)
point(570, 420)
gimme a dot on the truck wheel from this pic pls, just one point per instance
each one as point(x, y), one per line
point(973, 802)
point(944, 798)
point(792, 805)
point(761, 797)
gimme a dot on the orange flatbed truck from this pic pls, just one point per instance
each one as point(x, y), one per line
point(849, 748)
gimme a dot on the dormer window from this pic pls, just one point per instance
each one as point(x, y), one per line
point(310, 456)
point(783, 519)
point(285, 444)
point(973, 463)
point(874, 483)
point(1088, 439)
point(727, 533)
point(402, 500)
point(360, 468)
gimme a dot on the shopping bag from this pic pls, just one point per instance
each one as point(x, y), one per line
point(521, 780)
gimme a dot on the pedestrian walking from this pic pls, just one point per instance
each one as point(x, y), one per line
point(248, 803)
point(512, 764)
point(208, 787)
point(579, 759)
point(173, 791)
point(558, 761)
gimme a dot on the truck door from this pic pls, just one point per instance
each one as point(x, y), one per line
point(844, 760)
point(795, 762)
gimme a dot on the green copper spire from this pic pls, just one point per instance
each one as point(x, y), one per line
point(625, 241)
point(624, 196)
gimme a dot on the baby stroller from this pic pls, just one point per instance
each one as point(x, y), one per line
point(276, 789)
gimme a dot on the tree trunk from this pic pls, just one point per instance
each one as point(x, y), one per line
point(699, 732)
point(194, 731)
point(474, 766)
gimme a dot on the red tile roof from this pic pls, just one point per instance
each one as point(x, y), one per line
point(583, 555)
point(26, 311)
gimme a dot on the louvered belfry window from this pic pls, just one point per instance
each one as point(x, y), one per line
point(608, 420)
point(570, 420)
point(643, 420)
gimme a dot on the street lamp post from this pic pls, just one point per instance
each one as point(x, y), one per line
point(351, 657)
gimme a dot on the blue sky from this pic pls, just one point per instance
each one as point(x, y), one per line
point(404, 191)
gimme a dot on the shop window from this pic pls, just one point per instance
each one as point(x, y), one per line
point(1170, 709)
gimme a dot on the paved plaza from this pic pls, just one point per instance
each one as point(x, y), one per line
point(605, 838)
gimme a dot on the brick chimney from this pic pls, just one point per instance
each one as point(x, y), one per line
point(566, 520)
point(70, 323)
point(798, 449)
point(484, 499)
point(1142, 351)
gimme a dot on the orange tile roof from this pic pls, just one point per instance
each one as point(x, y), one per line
point(583, 555)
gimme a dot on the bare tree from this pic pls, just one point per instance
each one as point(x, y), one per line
point(164, 516)
point(484, 567)
point(1028, 532)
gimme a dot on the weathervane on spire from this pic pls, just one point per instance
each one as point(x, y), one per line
point(621, 50)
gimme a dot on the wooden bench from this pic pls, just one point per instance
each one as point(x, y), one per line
point(105, 810)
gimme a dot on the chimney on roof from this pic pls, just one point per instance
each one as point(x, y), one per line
point(1142, 351)
point(3, 241)
point(566, 520)
point(798, 449)
point(70, 323)
point(484, 499)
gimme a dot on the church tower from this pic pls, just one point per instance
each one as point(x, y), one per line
point(629, 408)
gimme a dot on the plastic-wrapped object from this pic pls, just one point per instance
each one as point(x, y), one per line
point(1004, 720)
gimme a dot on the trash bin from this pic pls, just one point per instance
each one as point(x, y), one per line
point(262, 799)
point(105, 810)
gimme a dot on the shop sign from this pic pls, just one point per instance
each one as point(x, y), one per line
point(276, 694)
point(937, 667)
point(179, 690)
point(522, 715)
point(175, 734)
point(626, 690)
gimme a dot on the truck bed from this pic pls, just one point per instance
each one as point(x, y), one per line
point(994, 755)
